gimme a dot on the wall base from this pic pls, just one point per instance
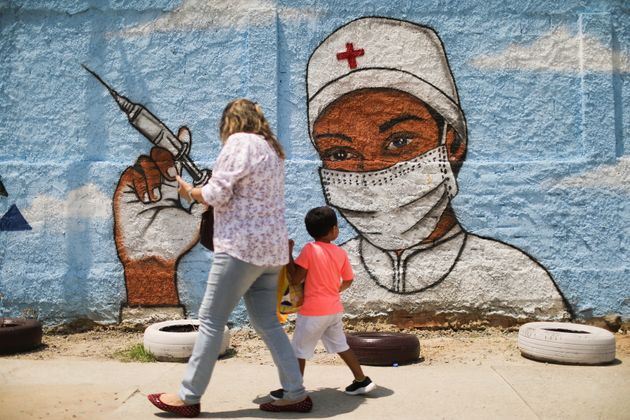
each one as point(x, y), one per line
point(142, 316)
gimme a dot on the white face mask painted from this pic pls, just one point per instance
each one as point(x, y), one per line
point(397, 207)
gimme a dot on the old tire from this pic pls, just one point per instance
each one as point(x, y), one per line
point(173, 341)
point(566, 343)
point(384, 348)
point(19, 334)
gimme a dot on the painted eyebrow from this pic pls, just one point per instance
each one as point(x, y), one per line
point(333, 136)
point(389, 124)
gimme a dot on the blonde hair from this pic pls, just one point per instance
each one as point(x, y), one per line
point(243, 115)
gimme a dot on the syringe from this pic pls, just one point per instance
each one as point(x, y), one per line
point(156, 132)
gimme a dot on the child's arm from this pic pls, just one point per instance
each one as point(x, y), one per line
point(346, 273)
point(344, 285)
point(297, 273)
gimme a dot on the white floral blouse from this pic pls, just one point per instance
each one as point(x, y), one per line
point(247, 192)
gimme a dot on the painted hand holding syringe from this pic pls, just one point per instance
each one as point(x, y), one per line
point(157, 133)
point(151, 228)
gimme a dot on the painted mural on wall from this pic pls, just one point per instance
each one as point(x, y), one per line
point(152, 229)
point(521, 106)
point(12, 220)
point(385, 117)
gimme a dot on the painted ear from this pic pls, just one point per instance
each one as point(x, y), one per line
point(456, 147)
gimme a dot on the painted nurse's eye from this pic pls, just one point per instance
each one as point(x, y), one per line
point(398, 141)
point(337, 154)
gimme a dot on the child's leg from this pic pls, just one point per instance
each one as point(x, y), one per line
point(334, 340)
point(351, 360)
point(308, 330)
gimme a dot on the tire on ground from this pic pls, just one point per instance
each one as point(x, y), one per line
point(20, 334)
point(384, 348)
point(173, 341)
point(566, 343)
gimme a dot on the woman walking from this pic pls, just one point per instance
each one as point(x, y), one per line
point(250, 246)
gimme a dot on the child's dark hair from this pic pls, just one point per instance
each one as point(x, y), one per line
point(319, 221)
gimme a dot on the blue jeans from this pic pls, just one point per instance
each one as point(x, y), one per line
point(229, 279)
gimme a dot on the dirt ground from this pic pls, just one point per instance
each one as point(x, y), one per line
point(468, 347)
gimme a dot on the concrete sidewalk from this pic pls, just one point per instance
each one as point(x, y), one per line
point(77, 389)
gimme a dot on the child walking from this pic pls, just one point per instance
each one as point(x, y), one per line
point(326, 271)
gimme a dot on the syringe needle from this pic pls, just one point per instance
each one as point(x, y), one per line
point(97, 77)
point(123, 102)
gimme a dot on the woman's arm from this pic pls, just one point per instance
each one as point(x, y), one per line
point(189, 192)
point(234, 163)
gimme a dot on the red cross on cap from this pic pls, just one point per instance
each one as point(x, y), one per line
point(351, 55)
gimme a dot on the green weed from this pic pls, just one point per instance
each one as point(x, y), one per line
point(135, 353)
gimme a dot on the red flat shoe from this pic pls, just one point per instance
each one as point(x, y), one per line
point(181, 410)
point(303, 406)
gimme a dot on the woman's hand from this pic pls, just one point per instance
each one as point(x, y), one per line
point(185, 189)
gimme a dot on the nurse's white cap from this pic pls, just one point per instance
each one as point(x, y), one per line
point(376, 52)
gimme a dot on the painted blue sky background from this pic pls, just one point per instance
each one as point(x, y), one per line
point(551, 139)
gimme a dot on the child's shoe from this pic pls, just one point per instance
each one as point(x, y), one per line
point(363, 387)
point(276, 395)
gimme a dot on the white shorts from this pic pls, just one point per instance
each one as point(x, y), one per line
point(310, 329)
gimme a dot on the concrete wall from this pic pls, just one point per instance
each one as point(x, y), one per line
point(522, 214)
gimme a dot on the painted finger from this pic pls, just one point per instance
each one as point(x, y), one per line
point(139, 185)
point(130, 187)
point(152, 175)
point(184, 135)
point(164, 162)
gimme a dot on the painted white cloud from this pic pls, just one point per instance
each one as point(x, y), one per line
point(87, 202)
point(210, 14)
point(559, 50)
point(614, 176)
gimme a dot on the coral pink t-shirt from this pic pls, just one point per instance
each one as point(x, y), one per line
point(327, 265)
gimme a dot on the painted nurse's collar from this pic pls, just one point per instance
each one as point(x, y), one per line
point(415, 269)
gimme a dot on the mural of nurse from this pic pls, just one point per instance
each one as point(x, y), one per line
point(385, 118)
